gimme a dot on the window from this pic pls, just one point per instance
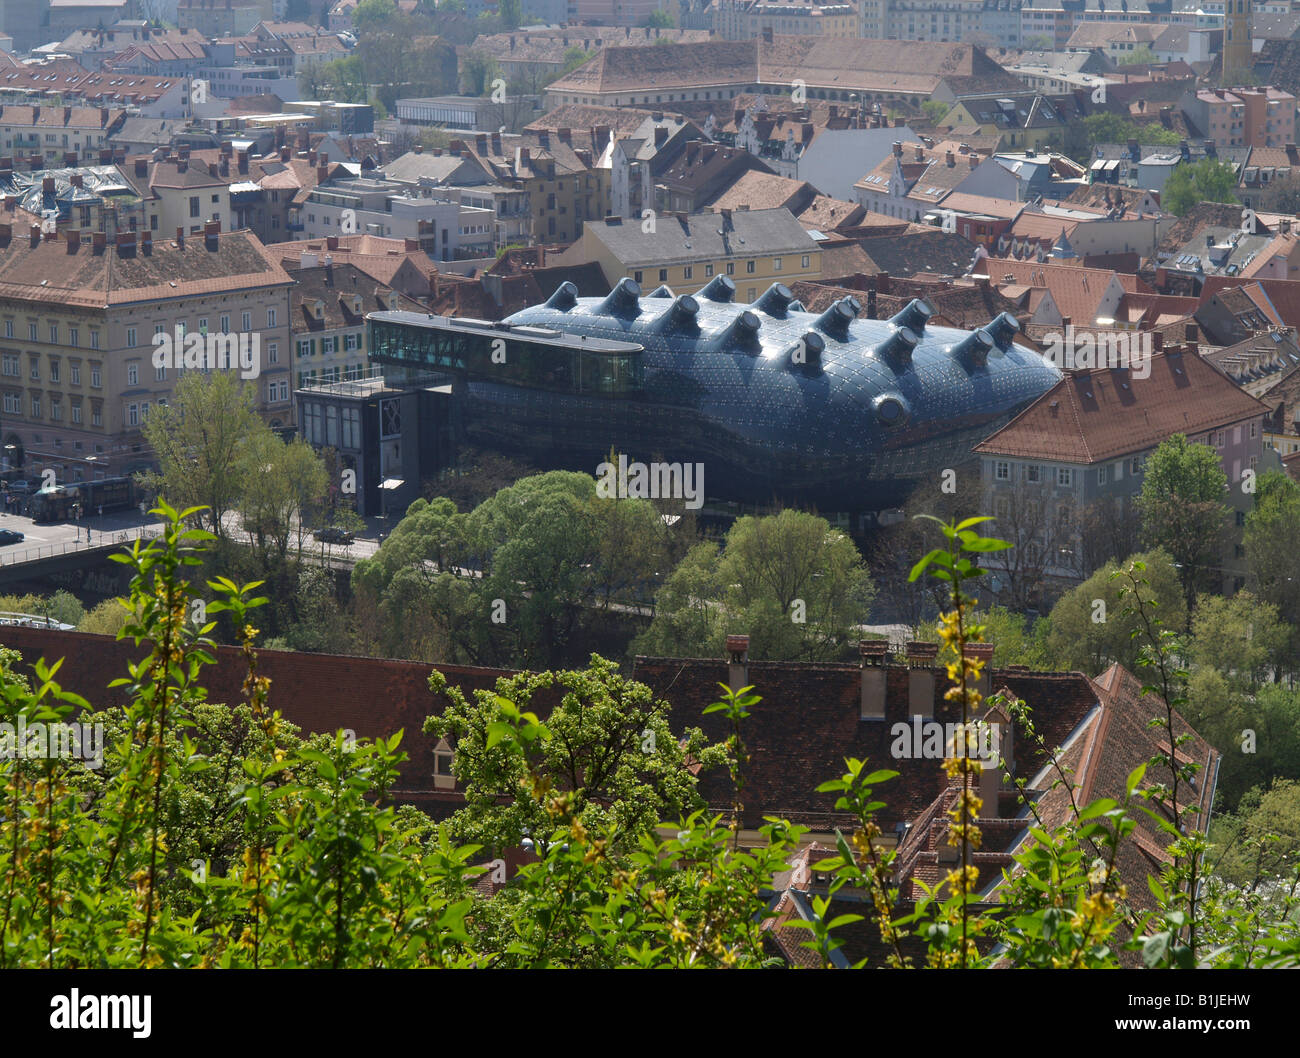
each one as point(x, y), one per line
point(329, 345)
point(1241, 518)
point(749, 268)
point(130, 337)
point(133, 415)
point(304, 347)
point(1219, 439)
point(56, 410)
point(74, 336)
point(32, 333)
point(76, 414)
point(54, 334)
point(11, 365)
point(1002, 471)
point(74, 371)
point(13, 404)
point(351, 428)
point(443, 775)
point(144, 411)
point(95, 382)
point(194, 205)
point(9, 328)
point(97, 417)
point(270, 317)
point(688, 272)
point(1031, 472)
point(160, 374)
point(132, 374)
point(663, 275)
point(246, 321)
point(776, 264)
point(1101, 475)
point(273, 353)
point(203, 325)
point(731, 268)
point(804, 263)
point(1135, 465)
point(54, 370)
point(351, 342)
point(36, 407)
point(225, 324)
point(94, 339)
point(1064, 476)
point(1254, 428)
point(35, 372)
point(637, 276)
point(708, 271)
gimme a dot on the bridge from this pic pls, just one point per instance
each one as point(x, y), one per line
point(71, 561)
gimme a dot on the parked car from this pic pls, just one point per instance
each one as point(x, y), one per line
point(10, 536)
point(334, 535)
point(20, 485)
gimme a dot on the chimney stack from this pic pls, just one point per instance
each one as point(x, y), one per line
point(331, 242)
point(921, 658)
point(874, 677)
point(898, 149)
point(180, 237)
point(737, 662)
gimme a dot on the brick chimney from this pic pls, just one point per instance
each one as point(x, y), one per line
point(874, 677)
point(920, 153)
point(47, 185)
point(898, 149)
point(142, 167)
point(418, 148)
point(98, 240)
point(921, 658)
point(6, 234)
point(973, 160)
point(34, 234)
point(983, 652)
point(146, 242)
point(311, 157)
point(243, 161)
point(565, 134)
point(950, 159)
point(481, 143)
point(1191, 334)
point(737, 662)
point(544, 139)
point(331, 242)
point(496, 143)
point(180, 237)
point(126, 244)
point(285, 153)
point(322, 173)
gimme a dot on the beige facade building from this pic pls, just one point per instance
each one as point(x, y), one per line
point(78, 316)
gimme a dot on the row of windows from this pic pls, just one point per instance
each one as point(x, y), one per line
point(13, 405)
point(331, 425)
point(688, 271)
point(11, 367)
point(328, 344)
point(34, 334)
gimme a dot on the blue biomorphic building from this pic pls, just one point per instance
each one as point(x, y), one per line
point(781, 406)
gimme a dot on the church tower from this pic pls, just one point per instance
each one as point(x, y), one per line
point(1238, 58)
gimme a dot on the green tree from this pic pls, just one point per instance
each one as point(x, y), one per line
point(1182, 507)
point(660, 19)
point(1138, 57)
point(106, 618)
point(936, 110)
point(198, 439)
point(510, 13)
point(1239, 637)
point(796, 586)
point(1259, 842)
point(285, 488)
point(369, 15)
point(1271, 557)
point(1208, 180)
point(1088, 628)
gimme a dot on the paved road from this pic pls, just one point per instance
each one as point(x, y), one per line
point(39, 540)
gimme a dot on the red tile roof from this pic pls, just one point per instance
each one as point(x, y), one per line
point(1089, 417)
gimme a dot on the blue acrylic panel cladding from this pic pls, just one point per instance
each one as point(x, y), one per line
point(780, 405)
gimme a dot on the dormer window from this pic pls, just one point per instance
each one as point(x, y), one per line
point(443, 777)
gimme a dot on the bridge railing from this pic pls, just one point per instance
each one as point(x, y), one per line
point(14, 556)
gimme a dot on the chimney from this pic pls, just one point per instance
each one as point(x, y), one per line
point(34, 234)
point(1191, 335)
point(126, 244)
point(544, 139)
point(1157, 341)
point(69, 159)
point(737, 662)
point(874, 678)
point(76, 180)
point(565, 134)
point(36, 161)
point(243, 161)
point(212, 235)
point(98, 240)
point(524, 157)
point(973, 159)
point(180, 237)
point(286, 153)
point(322, 174)
point(950, 159)
point(661, 136)
point(418, 148)
point(6, 234)
point(311, 157)
point(142, 167)
point(481, 143)
point(898, 149)
point(223, 168)
point(982, 652)
point(146, 242)
point(599, 137)
point(921, 658)
point(47, 185)
point(182, 164)
point(920, 153)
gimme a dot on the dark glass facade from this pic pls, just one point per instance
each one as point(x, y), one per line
point(831, 411)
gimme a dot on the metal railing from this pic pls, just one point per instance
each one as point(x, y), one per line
point(101, 541)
